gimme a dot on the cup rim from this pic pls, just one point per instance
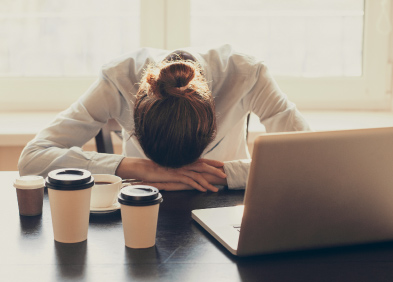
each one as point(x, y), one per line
point(152, 197)
point(36, 182)
point(69, 179)
point(99, 175)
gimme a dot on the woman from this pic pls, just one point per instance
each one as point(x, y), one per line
point(184, 110)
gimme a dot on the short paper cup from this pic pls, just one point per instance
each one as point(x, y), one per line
point(30, 194)
point(139, 212)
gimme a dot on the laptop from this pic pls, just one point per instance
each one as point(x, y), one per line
point(309, 190)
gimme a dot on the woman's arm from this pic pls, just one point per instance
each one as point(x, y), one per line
point(271, 105)
point(275, 111)
point(201, 175)
point(59, 144)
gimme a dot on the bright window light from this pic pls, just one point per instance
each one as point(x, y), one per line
point(65, 38)
point(308, 38)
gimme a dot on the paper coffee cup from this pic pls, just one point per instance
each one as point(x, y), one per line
point(139, 213)
point(105, 190)
point(69, 193)
point(30, 194)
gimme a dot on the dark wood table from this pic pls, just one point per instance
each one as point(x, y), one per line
point(183, 251)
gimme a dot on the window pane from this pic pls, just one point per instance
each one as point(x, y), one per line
point(296, 38)
point(65, 38)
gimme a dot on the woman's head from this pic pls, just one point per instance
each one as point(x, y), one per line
point(174, 113)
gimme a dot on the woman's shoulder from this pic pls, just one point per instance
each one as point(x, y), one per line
point(227, 58)
point(132, 64)
point(125, 71)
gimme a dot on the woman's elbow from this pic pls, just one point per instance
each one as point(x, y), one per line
point(27, 163)
point(23, 166)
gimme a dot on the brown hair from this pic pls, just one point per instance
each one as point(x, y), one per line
point(174, 113)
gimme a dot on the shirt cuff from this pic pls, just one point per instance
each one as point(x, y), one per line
point(105, 163)
point(237, 173)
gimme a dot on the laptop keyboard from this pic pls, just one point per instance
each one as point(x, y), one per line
point(237, 227)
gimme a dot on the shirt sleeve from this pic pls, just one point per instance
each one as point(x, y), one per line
point(271, 105)
point(275, 112)
point(237, 173)
point(59, 144)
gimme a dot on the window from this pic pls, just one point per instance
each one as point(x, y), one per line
point(52, 50)
point(70, 38)
point(295, 38)
point(329, 54)
point(324, 54)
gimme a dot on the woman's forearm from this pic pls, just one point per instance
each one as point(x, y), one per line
point(149, 172)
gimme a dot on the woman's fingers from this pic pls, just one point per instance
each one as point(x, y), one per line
point(211, 162)
point(206, 168)
point(190, 175)
point(196, 176)
point(183, 176)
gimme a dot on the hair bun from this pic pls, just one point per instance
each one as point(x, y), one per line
point(180, 79)
point(174, 79)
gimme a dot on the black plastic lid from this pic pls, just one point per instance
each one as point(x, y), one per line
point(69, 179)
point(140, 195)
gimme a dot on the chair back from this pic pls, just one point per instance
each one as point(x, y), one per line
point(104, 138)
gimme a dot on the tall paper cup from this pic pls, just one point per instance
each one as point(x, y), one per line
point(69, 193)
point(139, 213)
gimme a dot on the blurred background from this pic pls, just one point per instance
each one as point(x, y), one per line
point(333, 58)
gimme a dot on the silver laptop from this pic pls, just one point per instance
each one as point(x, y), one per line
point(309, 190)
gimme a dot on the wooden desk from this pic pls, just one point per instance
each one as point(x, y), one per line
point(183, 252)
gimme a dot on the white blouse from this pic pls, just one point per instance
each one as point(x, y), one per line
point(239, 84)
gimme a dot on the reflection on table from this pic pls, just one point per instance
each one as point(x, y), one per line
point(184, 251)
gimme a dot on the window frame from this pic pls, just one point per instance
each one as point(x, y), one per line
point(371, 91)
point(166, 24)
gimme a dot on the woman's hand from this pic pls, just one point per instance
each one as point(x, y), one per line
point(192, 176)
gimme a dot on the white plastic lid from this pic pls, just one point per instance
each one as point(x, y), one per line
point(29, 182)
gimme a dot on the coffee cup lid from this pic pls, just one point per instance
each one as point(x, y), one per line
point(29, 182)
point(69, 179)
point(140, 195)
